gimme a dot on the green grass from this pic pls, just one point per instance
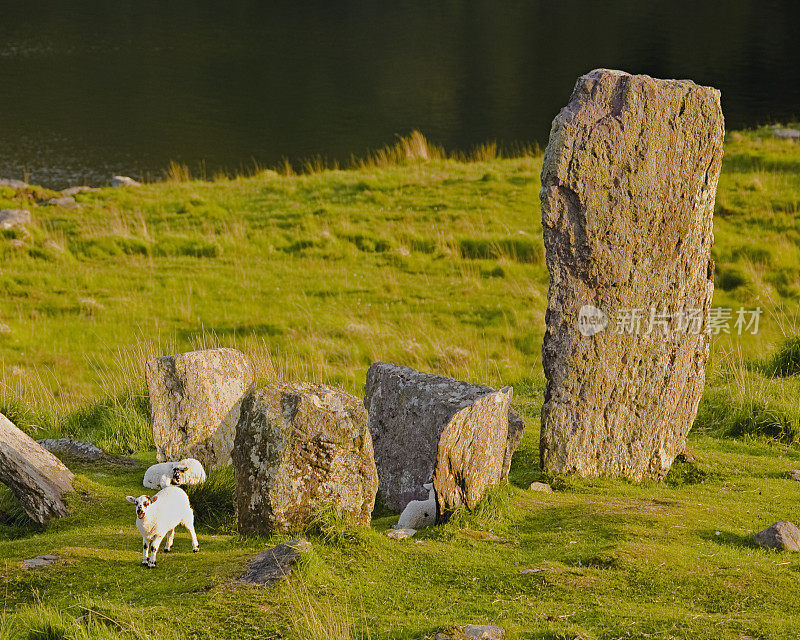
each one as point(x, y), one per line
point(429, 261)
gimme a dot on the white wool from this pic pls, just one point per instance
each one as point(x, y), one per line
point(161, 515)
point(419, 513)
point(158, 476)
point(188, 471)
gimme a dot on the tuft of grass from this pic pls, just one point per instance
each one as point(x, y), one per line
point(786, 360)
point(213, 502)
point(336, 527)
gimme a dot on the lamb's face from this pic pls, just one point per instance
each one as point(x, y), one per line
point(178, 478)
point(142, 503)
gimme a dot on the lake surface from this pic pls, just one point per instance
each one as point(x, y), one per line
point(91, 88)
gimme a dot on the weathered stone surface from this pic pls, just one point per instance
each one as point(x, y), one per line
point(781, 535)
point(299, 445)
point(14, 184)
point(471, 450)
point(124, 181)
point(274, 564)
point(72, 191)
point(67, 202)
point(40, 561)
point(35, 476)
point(408, 412)
point(10, 218)
point(400, 534)
point(194, 403)
point(541, 486)
point(82, 451)
point(628, 186)
point(481, 631)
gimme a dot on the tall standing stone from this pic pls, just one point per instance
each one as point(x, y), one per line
point(300, 445)
point(195, 399)
point(35, 476)
point(628, 186)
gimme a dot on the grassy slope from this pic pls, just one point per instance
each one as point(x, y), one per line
point(437, 265)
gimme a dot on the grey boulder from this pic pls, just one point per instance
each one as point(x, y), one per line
point(784, 536)
point(300, 446)
point(274, 564)
point(124, 181)
point(194, 403)
point(10, 218)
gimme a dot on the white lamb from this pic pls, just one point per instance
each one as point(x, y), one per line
point(158, 516)
point(163, 474)
point(419, 514)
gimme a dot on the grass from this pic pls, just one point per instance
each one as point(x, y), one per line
point(432, 261)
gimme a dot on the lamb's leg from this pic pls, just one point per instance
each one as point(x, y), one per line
point(189, 524)
point(170, 538)
point(154, 550)
point(145, 550)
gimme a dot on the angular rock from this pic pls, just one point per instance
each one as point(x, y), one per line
point(40, 561)
point(541, 486)
point(194, 403)
point(124, 181)
point(400, 534)
point(35, 476)
point(300, 445)
point(270, 566)
point(408, 411)
point(67, 202)
point(484, 631)
point(781, 535)
point(14, 184)
point(628, 186)
point(10, 218)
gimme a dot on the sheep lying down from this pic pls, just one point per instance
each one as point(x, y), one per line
point(158, 517)
point(183, 472)
point(419, 514)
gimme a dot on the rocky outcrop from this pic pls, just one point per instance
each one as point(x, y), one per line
point(274, 564)
point(35, 476)
point(784, 536)
point(10, 218)
point(194, 403)
point(298, 446)
point(124, 181)
point(416, 420)
point(628, 186)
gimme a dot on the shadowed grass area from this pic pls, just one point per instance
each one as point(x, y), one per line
point(430, 261)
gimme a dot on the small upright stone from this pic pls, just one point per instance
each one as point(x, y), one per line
point(784, 536)
point(194, 403)
point(628, 186)
point(409, 414)
point(10, 218)
point(124, 181)
point(300, 445)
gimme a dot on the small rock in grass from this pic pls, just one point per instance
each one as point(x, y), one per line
point(40, 561)
point(541, 486)
point(71, 191)
point(273, 564)
point(484, 631)
point(10, 218)
point(781, 535)
point(124, 181)
point(531, 571)
point(787, 134)
point(14, 184)
point(400, 534)
point(82, 450)
point(795, 474)
point(68, 202)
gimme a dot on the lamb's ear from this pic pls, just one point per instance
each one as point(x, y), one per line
point(131, 499)
point(427, 486)
point(153, 499)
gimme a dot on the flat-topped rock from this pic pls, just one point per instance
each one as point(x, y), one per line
point(416, 420)
point(628, 186)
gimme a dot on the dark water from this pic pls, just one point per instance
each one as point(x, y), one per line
point(91, 87)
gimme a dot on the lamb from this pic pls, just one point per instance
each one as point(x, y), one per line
point(419, 513)
point(163, 474)
point(159, 516)
point(188, 471)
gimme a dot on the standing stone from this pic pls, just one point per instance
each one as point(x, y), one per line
point(35, 476)
point(409, 415)
point(300, 445)
point(628, 186)
point(194, 403)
